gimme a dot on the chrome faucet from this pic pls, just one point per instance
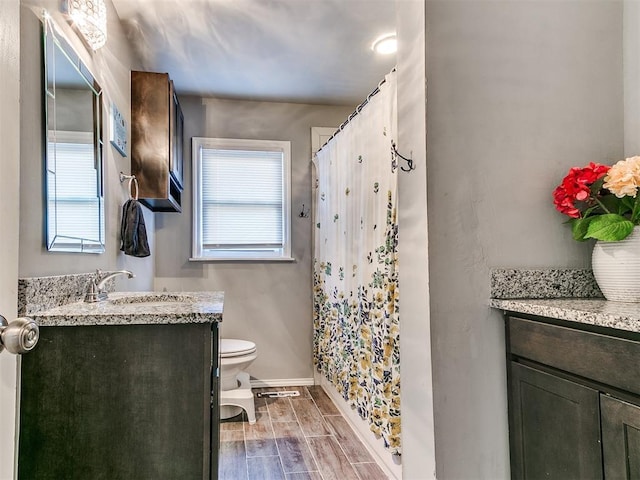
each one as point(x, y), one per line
point(96, 290)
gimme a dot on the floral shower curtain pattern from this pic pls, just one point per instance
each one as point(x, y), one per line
point(356, 323)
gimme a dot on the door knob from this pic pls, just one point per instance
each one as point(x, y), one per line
point(19, 336)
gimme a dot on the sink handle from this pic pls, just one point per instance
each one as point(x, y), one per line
point(19, 336)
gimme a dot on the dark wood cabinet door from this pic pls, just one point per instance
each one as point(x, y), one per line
point(154, 143)
point(620, 438)
point(555, 427)
point(118, 402)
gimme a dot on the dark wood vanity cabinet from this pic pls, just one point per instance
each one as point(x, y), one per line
point(620, 438)
point(574, 400)
point(157, 141)
point(120, 402)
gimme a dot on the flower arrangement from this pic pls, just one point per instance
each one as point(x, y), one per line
point(602, 201)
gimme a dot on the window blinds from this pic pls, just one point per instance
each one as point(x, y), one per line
point(74, 212)
point(242, 198)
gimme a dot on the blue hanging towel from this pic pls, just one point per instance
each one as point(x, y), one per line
point(133, 233)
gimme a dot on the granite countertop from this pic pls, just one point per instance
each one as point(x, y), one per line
point(593, 311)
point(138, 308)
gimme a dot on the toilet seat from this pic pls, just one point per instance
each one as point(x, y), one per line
point(231, 347)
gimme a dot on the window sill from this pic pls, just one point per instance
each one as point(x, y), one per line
point(243, 259)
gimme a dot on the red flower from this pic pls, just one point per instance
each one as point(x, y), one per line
point(576, 186)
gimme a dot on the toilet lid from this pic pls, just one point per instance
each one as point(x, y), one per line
point(231, 347)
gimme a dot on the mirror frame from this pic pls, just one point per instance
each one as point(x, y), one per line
point(52, 43)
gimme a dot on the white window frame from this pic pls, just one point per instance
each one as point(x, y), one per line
point(199, 253)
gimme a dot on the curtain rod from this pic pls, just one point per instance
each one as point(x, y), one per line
point(356, 111)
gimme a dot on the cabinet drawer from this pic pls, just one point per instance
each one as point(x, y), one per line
point(606, 359)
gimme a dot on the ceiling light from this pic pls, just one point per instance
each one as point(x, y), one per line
point(90, 18)
point(386, 44)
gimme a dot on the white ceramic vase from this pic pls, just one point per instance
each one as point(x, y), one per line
point(616, 267)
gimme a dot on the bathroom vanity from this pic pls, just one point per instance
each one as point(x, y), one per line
point(574, 388)
point(126, 388)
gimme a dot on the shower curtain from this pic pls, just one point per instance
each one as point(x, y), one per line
point(356, 328)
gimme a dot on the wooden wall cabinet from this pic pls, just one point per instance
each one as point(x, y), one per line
point(156, 141)
point(121, 402)
point(574, 400)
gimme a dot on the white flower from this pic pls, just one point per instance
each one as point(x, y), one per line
point(623, 179)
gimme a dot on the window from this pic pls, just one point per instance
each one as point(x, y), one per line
point(75, 215)
point(241, 199)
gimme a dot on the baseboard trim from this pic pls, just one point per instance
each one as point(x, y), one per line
point(281, 382)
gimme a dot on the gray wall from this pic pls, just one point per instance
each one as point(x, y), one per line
point(74, 110)
point(111, 66)
point(268, 303)
point(518, 92)
point(631, 50)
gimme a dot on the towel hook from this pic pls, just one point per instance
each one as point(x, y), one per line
point(409, 161)
point(133, 181)
point(304, 213)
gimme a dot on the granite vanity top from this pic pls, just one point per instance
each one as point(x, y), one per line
point(138, 308)
point(566, 294)
point(593, 311)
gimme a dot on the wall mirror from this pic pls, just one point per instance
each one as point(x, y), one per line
point(74, 189)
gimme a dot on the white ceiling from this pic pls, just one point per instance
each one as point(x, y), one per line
point(308, 51)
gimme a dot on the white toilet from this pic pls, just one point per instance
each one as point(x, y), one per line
point(235, 387)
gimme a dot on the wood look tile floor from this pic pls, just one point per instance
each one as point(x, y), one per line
point(294, 438)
